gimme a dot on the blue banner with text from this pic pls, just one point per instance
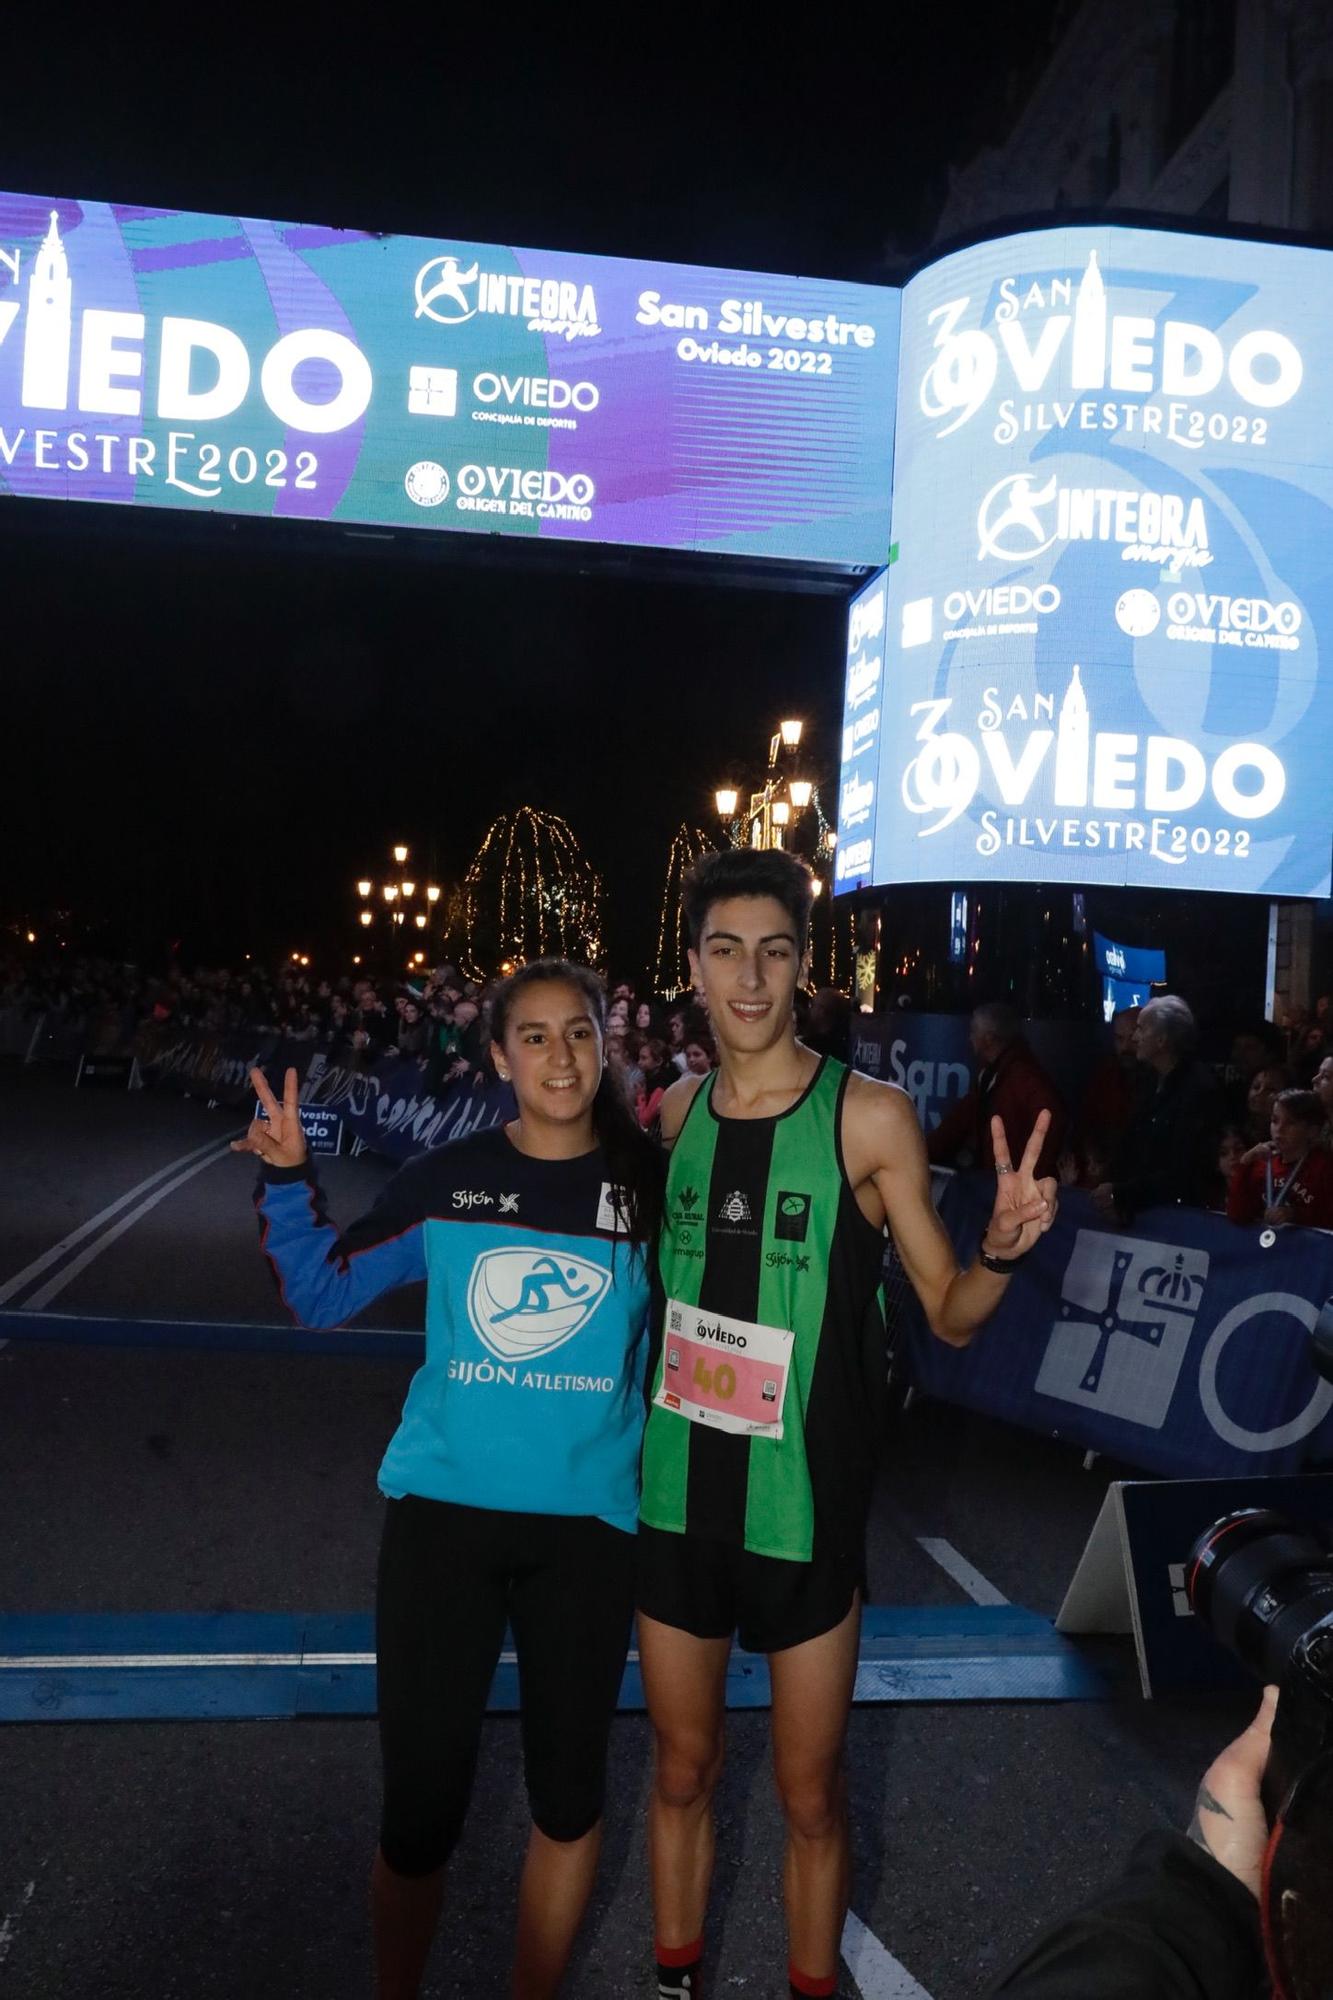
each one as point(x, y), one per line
point(1180, 1344)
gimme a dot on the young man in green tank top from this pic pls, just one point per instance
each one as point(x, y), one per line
point(767, 1387)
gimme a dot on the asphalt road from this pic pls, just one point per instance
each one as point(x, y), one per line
point(221, 1861)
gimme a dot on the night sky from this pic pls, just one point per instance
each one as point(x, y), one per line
point(210, 735)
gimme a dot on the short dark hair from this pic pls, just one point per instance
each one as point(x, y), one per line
point(1302, 1105)
point(748, 871)
point(998, 1019)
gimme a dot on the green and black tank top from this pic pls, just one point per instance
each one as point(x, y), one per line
point(762, 1225)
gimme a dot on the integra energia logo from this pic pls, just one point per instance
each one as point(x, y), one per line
point(450, 295)
point(1019, 520)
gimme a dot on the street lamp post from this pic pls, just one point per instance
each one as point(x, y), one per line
point(777, 804)
point(397, 894)
point(776, 814)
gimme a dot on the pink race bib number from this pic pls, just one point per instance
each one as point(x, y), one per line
point(729, 1373)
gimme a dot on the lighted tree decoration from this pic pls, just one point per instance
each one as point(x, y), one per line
point(669, 966)
point(531, 892)
point(831, 927)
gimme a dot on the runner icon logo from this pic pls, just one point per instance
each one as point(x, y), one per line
point(1127, 1309)
point(523, 1303)
point(792, 1218)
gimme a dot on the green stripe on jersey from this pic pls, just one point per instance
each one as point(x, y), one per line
point(666, 1439)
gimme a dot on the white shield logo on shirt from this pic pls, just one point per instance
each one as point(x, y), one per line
point(523, 1303)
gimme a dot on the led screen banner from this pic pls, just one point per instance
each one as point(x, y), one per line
point(858, 767)
point(1113, 517)
point(157, 358)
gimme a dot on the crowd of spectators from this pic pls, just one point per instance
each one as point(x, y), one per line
point(1156, 1125)
point(436, 1019)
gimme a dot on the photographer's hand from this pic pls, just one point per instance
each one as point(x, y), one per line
point(1229, 1820)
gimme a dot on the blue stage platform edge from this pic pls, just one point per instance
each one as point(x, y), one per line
point(230, 1666)
point(182, 1666)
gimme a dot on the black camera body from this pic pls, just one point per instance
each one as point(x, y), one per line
point(1264, 1586)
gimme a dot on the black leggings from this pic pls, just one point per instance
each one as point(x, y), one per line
point(449, 1578)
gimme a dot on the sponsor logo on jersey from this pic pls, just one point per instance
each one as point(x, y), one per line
point(527, 1301)
point(612, 1209)
point(792, 1218)
point(735, 1207)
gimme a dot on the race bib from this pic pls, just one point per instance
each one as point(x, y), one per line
point(729, 1373)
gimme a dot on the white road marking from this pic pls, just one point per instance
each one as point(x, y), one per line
point(56, 1252)
point(41, 1299)
point(878, 1974)
point(10, 1927)
point(962, 1572)
point(55, 1662)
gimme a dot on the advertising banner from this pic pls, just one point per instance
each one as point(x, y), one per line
point(1113, 505)
point(388, 1109)
point(858, 769)
point(218, 363)
point(930, 1057)
point(1179, 1344)
point(1128, 974)
point(386, 1106)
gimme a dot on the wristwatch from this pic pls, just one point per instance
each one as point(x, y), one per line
point(1003, 1266)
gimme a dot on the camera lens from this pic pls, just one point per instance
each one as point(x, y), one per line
point(1260, 1582)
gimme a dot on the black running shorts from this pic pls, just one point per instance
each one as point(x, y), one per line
point(712, 1589)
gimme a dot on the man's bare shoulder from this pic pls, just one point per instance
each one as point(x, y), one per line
point(879, 1122)
point(676, 1101)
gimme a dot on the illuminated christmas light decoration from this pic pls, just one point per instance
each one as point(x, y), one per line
point(670, 969)
point(531, 892)
point(838, 918)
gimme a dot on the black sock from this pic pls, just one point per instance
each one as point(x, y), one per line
point(680, 1971)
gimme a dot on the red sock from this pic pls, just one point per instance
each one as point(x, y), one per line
point(680, 1970)
point(806, 1988)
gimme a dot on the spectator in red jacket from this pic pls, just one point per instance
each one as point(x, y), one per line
point(1010, 1084)
point(1290, 1178)
point(1112, 1092)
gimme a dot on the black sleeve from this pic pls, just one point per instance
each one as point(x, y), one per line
point(1175, 1926)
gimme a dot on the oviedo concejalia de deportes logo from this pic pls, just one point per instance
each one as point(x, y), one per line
point(1042, 337)
point(1054, 770)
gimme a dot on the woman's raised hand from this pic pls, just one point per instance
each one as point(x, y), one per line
point(279, 1140)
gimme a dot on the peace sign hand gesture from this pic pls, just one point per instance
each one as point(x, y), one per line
point(1024, 1206)
point(280, 1142)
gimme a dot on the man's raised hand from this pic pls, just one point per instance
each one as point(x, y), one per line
point(278, 1140)
point(1024, 1206)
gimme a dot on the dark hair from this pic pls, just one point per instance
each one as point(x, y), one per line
point(1302, 1105)
point(633, 1162)
point(998, 1019)
point(748, 871)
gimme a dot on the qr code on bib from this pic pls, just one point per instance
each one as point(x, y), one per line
point(677, 1323)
